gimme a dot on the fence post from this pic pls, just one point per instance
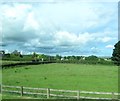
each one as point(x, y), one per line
point(78, 94)
point(48, 93)
point(113, 96)
point(21, 90)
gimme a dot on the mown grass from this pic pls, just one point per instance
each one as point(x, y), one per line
point(64, 76)
point(13, 96)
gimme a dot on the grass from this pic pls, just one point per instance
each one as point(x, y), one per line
point(0, 97)
point(12, 96)
point(64, 76)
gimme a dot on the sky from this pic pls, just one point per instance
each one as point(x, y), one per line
point(65, 28)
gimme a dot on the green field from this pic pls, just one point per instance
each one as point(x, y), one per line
point(64, 76)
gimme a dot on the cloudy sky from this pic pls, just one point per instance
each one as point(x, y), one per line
point(65, 28)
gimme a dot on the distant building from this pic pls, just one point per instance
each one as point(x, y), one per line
point(83, 58)
point(42, 59)
point(62, 59)
point(15, 52)
point(2, 53)
point(106, 59)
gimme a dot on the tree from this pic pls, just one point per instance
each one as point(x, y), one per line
point(35, 57)
point(58, 57)
point(116, 54)
point(43, 57)
point(34, 54)
point(92, 58)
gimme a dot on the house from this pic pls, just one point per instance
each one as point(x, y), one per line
point(15, 52)
point(62, 59)
point(2, 53)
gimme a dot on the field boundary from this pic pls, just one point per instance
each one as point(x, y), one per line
point(48, 93)
point(25, 63)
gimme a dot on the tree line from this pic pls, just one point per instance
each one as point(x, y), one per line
point(35, 57)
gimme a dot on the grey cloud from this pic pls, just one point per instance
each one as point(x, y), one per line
point(54, 29)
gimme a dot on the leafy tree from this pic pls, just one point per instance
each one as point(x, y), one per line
point(35, 57)
point(21, 56)
point(65, 57)
point(68, 57)
point(58, 57)
point(92, 58)
point(116, 54)
point(34, 54)
point(44, 57)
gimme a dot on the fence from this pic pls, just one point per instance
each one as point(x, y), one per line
point(55, 93)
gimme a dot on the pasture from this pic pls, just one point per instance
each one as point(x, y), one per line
point(64, 76)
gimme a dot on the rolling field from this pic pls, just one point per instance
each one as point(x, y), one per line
point(64, 76)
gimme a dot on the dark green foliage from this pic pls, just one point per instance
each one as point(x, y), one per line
point(116, 54)
point(16, 56)
point(7, 55)
point(99, 61)
point(45, 57)
point(35, 57)
point(58, 57)
point(92, 58)
point(12, 57)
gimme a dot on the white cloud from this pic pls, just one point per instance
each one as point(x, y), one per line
point(13, 17)
point(33, 43)
point(61, 38)
point(105, 39)
point(93, 48)
point(15, 10)
point(31, 23)
point(59, 24)
point(6, 51)
point(110, 46)
point(60, 1)
point(96, 50)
